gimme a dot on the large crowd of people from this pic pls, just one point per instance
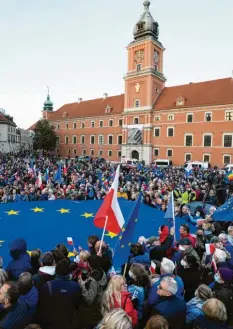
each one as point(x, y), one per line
point(182, 283)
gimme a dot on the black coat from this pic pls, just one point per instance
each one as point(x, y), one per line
point(191, 279)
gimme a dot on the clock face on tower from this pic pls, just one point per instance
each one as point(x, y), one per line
point(139, 55)
point(156, 56)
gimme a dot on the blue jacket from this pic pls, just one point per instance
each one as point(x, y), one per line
point(21, 261)
point(173, 309)
point(153, 295)
point(229, 248)
point(14, 317)
point(194, 309)
point(203, 322)
point(31, 300)
point(141, 259)
point(139, 294)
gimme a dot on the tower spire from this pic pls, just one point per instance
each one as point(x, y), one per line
point(146, 5)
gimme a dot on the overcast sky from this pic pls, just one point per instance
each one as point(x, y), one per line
point(77, 48)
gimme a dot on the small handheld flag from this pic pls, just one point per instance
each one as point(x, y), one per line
point(70, 241)
point(210, 248)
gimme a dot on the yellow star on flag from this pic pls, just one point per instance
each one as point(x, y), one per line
point(123, 230)
point(12, 212)
point(1, 241)
point(87, 215)
point(64, 211)
point(136, 220)
point(38, 209)
point(129, 244)
point(122, 246)
point(111, 235)
point(120, 237)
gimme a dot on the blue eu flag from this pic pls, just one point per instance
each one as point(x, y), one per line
point(123, 246)
point(225, 212)
point(58, 175)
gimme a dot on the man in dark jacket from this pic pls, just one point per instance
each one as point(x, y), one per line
point(14, 313)
point(46, 271)
point(28, 293)
point(21, 261)
point(187, 250)
point(58, 299)
point(170, 306)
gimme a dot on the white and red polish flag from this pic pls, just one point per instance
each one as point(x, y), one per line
point(39, 180)
point(110, 210)
point(210, 248)
point(70, 241)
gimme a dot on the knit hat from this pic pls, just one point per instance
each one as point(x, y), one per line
point(185, 242)
point(226, 274)
point(94, 262)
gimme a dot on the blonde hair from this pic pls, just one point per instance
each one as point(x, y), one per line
point(230, 229)
point(84, 255)
point(215, 309)
point(116, 319)
point(157, 322)
point(112, 293)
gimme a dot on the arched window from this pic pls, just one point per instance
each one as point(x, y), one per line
point(66, 139)
point(74, 139)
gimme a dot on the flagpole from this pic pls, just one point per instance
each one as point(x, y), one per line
point(104, 229)
point(173, 215)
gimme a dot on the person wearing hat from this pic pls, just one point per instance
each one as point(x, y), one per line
point(186, 249)
point(222, 288)
point(92, 289)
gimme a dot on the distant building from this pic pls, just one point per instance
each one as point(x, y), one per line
point(8, 136)
point(26, 139)
point(150, 121)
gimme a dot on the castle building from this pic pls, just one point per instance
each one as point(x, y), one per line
point(150, 121)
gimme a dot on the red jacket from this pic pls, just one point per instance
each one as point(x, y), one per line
point(127, 306)
point(190, 237)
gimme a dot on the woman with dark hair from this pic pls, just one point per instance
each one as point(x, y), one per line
point(139, 255)
point(189, 273)
point(139, 285)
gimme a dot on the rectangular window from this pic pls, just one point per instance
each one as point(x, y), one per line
point(189, 140)
point(188, 157)
point(110, 139)
point(92, 124)
point(83, 124)
point(74, 139)
point(120, 122)
point(74, 151)
point(229, 115)
point(58, 126)
point(139, 67)
point(156, 152)
point(171, 117)
point(207, 140)
point(226, 159)
point(208, 116)
point(137, 103)
point(110, 123)
point(189, 118)
point(136, 121)
point(157, 132)
point(82, 139)
point(84, 152)
point(101, 139)
point(157, 118)
point(206, 158)
point(119, 154)
point(57, 151)
point(92, 139)
point(100, 153)
point(67, 125)
point(170, 132)
point(101, 123)
point(69, 151)
point(119, 140)
point(109, 153)
point(66, 140)
point(169, 153)
point(92, 152)
point(227, 141)
point(74, 125)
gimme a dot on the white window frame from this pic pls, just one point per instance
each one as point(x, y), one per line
point(134, 119)
point(110, 120)
point(226, 111)
point(226, 155)
point(173, 132)
point(187, 114)
point(99, 139)
point(100, 155)
point(109, 154)
point(159, 131)
point(119, 156)
point(102, 123)
point(208, 154)
point(73, 139)
point(226, 134)
point(157, 116)
point(84, 151)
point(172, 115)
point(170, 156)
point(66, 136)
point(74, 123)
point(112, 139)
point(211, 113)
point(154, 152)
point(90, 139)
point(203, 139)
point(93, 152)
point(82, 137)
point(188, 153)
point(137, 101)
point(118, 139)
point(92, 122)
point(75, 151)
point(188, 134)
point(83, 124)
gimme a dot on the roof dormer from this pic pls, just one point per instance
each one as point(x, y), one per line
point(108, 109)
point(64, 114)
point(180, 101)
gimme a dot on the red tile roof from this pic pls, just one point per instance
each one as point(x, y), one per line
point(215, 92)
point(95, 107)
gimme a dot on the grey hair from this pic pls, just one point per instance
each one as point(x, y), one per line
point(167, 266)
point(116, 319)
point(203, 292)
point(222, 237)
point(221, 255)
point(172, 286)
point(3, 277)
